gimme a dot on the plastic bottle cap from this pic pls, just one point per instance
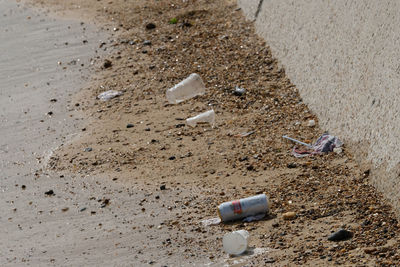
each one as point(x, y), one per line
point(235, 243)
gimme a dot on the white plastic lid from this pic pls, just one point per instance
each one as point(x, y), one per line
point(235, 243)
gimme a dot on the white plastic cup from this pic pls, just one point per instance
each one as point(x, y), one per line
point(208, 116)
point(186, 89)
point(242, 208)
point(236, 243)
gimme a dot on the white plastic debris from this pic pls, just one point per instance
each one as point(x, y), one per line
point(205, 117)
point(236, 243)
point(212, 221)
point(107, 95)
point(186, 89)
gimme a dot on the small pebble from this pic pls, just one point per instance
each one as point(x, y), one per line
point(239, 91)
point(291, 165)
point(150, 26)
point(88, 149)
point(311, 123)
point(338, 150)
point(172, 158)
point(49, 193)
point(107, 64)
point(340, 235)
point(289, 215)
point(162, 187)
point(147, 42)
point(130, 125)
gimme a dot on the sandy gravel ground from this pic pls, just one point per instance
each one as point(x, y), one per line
point(124, 216)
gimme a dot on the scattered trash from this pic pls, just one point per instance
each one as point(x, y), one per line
point(205, 117)
point(105, 96)
point(289, 215)
point(340, 235)
point(311, 123)
point(242, 208)
point(244, 134)
point(297, 141)
point(236, 243)
point(325, 143)
point(212, 221)
point(239, 91)
point(186, 89)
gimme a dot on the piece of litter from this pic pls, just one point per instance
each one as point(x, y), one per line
point(109, 95)
point(205, 117)
point(190, 87)
point(324, 144)
point(244, 134)
point(212, 221)
point(297, 141)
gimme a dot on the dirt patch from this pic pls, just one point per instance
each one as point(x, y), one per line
point(211, 165)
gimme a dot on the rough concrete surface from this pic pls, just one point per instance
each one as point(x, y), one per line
point(343, 57)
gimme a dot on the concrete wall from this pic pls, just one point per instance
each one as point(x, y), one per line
point(344, 57)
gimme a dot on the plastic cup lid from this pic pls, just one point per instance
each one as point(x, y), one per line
point(234, 243)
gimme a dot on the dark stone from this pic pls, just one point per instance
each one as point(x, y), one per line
point(172, 158)
point(23, 187)
point(82, 209)
point(239, 91)
point(132, 42)
point(107, 64)
point(105, 203)
point(292, 165)
point(50, 113)
point(162, 187)
point(88, 149)
point(250, 168)
point(269, 260)
point(147, 129)
point(180, 125)
point(243, 158)
point(147, 42)
point(150, 26)
point(130, 125)
point(53, 100)
point(49, 193)
point(340, 235)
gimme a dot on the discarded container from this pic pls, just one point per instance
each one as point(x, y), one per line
point(208, 116)
point(242, 208)
point(236, 243)
point(188, 88)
